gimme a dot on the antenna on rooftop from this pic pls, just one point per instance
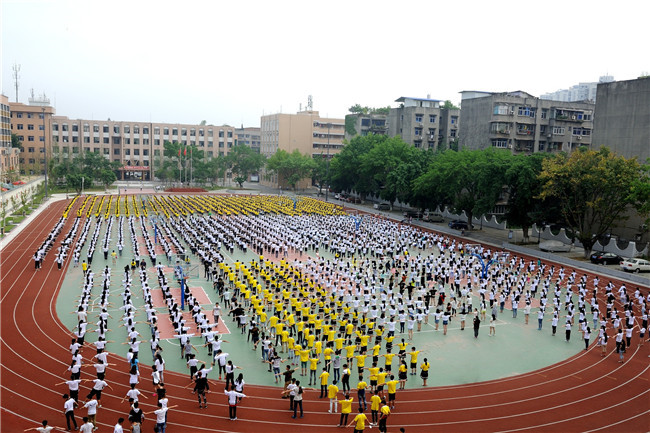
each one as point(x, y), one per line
point(310, 103)
point(16, 76)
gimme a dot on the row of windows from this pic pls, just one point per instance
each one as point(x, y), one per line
point(31, 138)
point(64, 127)
point(30, 127)
point(28, 115)
point(420, 117)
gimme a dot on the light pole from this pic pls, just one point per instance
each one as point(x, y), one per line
point(82, 185)
point(327, 174)
point(45, 149)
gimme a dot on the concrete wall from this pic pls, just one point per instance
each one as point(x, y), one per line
point(622, 118)
point(6, 196)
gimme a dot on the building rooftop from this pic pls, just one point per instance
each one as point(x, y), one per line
point(404, 98)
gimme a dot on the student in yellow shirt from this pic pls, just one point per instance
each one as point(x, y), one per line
point(413, 354)
point(349, 352)
point(324, 376)
point(359, 422)
point(392, 390)
point(346, 408)
point(362, 385)
point(375, 400)
point(373, 375)
point(332, 392)
point(402, 372)
point(424, 374)
point(361, 362)
point(313, 362)
point(389, 360)
point(383, 417)
point(381, 381)
point(304, 357)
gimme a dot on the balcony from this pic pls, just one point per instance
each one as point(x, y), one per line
point(525, 132)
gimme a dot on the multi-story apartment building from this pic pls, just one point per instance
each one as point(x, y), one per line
point(249, 136)
point(622, 118)
point(523, 123)
point(33, 125)
point(364, 124)
point(579, 92)
point(305, 131)
point(9, 156)
point(135, 145)
point(420, 122)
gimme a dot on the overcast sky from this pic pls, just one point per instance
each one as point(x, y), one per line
point(229, 62)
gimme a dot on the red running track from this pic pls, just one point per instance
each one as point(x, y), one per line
point(583, 393)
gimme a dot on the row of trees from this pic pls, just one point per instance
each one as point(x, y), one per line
point(590, 191)
point(86, 169)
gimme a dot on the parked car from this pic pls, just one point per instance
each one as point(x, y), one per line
point(433, 217)
point(555, 247)
point(411, 213)
point(603, 258)
point(635, 265)
point(382, 206)
point(458, 225)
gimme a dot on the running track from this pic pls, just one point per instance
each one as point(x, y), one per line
point(583, 393)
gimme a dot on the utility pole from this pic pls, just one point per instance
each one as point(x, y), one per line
point(327, 175)
point(44, 146)
point(16, 76)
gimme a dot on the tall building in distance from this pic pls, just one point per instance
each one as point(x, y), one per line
point(364, 124)
point(622, 118)
point(249, 136)
point(135, 145)
point(579, 92)
point(523, 123)
point(421, 123)
point(305, 131)
point(33, 124)
point(9, 156)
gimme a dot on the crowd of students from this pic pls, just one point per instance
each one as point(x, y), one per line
point(329, 292)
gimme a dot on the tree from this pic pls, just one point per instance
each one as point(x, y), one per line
point(244, 162)
point(290, 167)
point(594, 190)
point(470, 181)
point(344, 166)
point(449, 105)
point(522, 180)
point(15, 141)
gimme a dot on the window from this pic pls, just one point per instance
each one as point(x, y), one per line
point(96, 128)
point(526, 111)
point(452, 133)
point(221, 145)
point(127, 140)
point(432, 118)
point(127, 129)
point(586, 117)
point(56, 138)
point(542, 129)
point(105, 129)
point(30, 115)
point(86, 127)
point(145, 141)
point(201, 132)
point(116, 129)
point(116, 140)
point(221, 133)
point(166, 131)
point(64, 127)
point(418, 118)
point(136, 141)
point(30, 138)
point(66, 150)
point(145, 130)
point(229, 134)
point(210, 133)
point(127, 152)
point(500, 143)
point(86, 139)
point(105, 140)
point(418, 132)
point(183, 131)
point(558, 130)
point(156, 142)
point(156, 152)
point(175, 131)
point(55, 126)
point(365, 122)
point(31, 149)
point(106, 151)
point(145, 152)
point(116, 151)
point(454, 120)
point(156, 130)
point(42, 138)
point(192, 132)
point(136, 152)
point(19, 115)
point(136, 129)
point(30, 127)
point(75, 128)
point(544, 113)
point(19, 126)
point(501, 109)
point(96, 140)
point(96, 149)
